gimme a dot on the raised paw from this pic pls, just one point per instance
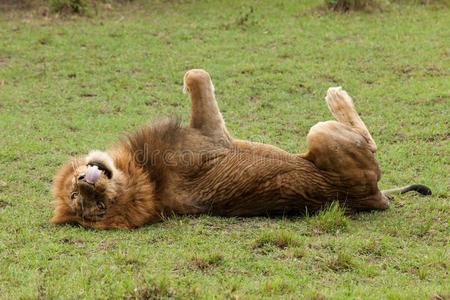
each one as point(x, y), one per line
point(197, 80)
point(340, 105)
point(342, 108)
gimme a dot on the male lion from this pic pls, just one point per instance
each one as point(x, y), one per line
point(166, 169)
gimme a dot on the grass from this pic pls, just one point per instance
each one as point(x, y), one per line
point(330, 220)
point(71, 84)
point(281, 239)
point(353, 5)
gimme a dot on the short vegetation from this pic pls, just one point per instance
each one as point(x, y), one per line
point(331, 219)
point(71, 84)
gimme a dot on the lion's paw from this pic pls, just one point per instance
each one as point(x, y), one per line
point(337, 98)
point(340, 105)
point(196, 78)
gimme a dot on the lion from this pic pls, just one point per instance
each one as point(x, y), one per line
point(167, 169)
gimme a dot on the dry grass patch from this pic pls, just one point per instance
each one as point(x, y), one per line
point(207, 262)
point(353, 5)
point(340, 262)
point(153, 290)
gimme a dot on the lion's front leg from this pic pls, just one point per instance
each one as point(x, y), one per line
point(205, 112)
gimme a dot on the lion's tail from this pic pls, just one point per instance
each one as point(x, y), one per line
point(420, 188)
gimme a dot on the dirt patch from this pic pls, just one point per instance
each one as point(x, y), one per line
point(206, 263)
point(152, 291)
point(436, 137)
point(76, 243)
point(406, 69)
point(106, 245)
point(3, 184)
point(4, 204)
point(3, 61)
point(439, 297)
point(435, 71)
point(88, 95)
point(152, 103)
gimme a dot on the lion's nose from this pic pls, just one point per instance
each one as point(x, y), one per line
point(81, 177)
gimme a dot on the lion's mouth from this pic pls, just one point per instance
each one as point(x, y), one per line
point(102, 167)
point(94, 171)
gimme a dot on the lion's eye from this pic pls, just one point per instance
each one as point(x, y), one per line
point(73, 195)
point(101, 205)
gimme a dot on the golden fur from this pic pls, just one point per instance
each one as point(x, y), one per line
point(165, 169)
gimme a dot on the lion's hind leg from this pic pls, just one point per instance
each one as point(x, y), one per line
point(342, 108)
point(344, 157)
point(343, 150)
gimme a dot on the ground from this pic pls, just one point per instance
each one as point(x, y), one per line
point(68, 85)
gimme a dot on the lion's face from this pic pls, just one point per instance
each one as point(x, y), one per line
point(86, 191)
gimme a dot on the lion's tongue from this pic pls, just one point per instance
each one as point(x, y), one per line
point(92, 174)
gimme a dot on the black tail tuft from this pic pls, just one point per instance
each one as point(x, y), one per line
point(421, 189)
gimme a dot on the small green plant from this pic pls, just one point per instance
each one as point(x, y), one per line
point(210, 261)
point(444, 3)
point(280, 239)
point(331, 219)
point(18, 4)
point(340, 262)
point(295, 253)
point(152, 290)
point(375, 247)
point(276, 286)
point(80, 7)
point(245, 19)
point(350, 5)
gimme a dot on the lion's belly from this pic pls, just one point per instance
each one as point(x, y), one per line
point(245, 184)
point(242, 184)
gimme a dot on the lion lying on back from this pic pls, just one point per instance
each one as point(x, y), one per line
point(167, 169)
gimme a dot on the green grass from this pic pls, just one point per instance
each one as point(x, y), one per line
point(330, 220)
point(71, 84)
point(281, 239)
